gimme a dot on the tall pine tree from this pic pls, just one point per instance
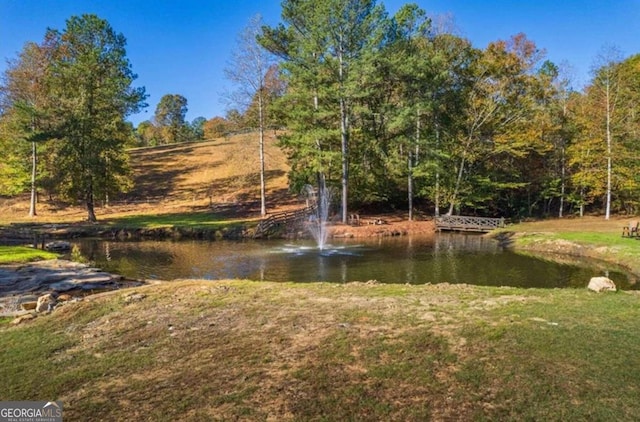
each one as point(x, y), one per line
point(322, 43)
point(91, 81)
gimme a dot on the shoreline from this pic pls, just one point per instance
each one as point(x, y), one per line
point(38, 234)
point(40, 286)
point(542, 244)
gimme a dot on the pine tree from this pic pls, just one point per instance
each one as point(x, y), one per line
point(323, 43)
point(91, 82)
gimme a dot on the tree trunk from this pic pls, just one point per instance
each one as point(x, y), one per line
point(608, 201)
point(410, 185)
point(563, 168)
point(344, 138)
point(91, 214)
point(34, 161)
point(562, 181)
point(410, 168)
point(454, 197)
point(263, 199)
point(345, 162)
point(437, 188)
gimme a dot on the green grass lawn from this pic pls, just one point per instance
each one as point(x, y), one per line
point(18, 254)
point(187, 220)
point(606, 246)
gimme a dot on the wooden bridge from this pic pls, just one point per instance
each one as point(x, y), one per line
point(468, 224)
point(285, 220)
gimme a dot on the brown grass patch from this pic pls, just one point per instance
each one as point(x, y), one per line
point(238, 350)
point(190, 177)
point(592, 224)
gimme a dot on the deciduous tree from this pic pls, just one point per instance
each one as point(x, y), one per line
point(248, 70)
point(499, 101)
point(148, 134)
point(606, 148)
point(24, 98)
point(170, 117)
point(216, 127)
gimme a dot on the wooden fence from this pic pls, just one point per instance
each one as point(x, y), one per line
point(468, 224)
point(281, 221)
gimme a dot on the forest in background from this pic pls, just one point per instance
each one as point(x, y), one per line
point(388, 110)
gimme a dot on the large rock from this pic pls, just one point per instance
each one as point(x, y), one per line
point(86, 281)
point(46, 303)
point(601, 284)
point(22, 283)
point(28, 306)
point(58, 246)
point(21, 318)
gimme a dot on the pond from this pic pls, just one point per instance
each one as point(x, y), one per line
point(443, 258)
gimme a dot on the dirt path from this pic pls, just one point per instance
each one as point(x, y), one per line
point(383, 225)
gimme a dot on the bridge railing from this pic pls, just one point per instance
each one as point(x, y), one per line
point(468, 223)
point(278, 221)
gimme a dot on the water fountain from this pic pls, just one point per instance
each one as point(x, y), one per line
point(319, 201)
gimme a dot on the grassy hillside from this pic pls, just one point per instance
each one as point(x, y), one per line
point(222, 171)
point(220, 175)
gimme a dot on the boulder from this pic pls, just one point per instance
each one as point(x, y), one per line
point(86, 281)
point(601, 284)
point(28, 306)
point(58, 246)
point(17, 320)
point(46, 303)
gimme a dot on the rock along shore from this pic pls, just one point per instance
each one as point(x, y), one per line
point(41, 286)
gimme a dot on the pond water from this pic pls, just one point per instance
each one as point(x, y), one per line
point(443, 258)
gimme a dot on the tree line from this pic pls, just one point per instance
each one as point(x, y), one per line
point(68, 98)
point(387, 109)
point(169, 124)
point(64, 104)
point(390, 109)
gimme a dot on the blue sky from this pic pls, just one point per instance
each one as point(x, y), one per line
point(182, 46)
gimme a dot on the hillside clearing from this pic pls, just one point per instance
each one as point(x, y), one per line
point(220, 175)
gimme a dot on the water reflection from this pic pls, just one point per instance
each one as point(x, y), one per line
point(450, 258)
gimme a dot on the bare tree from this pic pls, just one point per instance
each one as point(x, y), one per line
point(563, 85)
point(248, 69)
point(606, 84)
